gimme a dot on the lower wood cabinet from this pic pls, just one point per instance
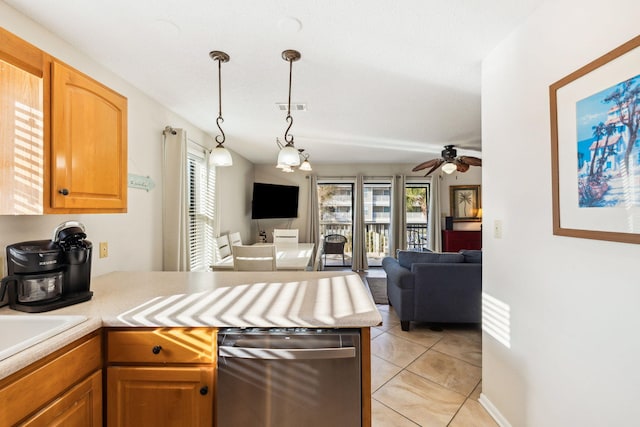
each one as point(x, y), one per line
point(79, 407)
point(160, 396)
point(62, 389)
point(160, 377)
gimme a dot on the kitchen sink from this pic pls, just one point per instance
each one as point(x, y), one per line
point(18, 332)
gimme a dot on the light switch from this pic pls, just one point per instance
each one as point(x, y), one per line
point(497, 229)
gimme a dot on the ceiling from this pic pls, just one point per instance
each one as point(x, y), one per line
point(383, 81)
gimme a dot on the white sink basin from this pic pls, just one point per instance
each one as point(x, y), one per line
point(19, 332)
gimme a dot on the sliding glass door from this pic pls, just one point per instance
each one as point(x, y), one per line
point(417, 206)
point(335, 201)
point(336, 204)
point(377, 217)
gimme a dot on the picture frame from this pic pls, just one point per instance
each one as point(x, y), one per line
point(465, 202)
point(595, 148)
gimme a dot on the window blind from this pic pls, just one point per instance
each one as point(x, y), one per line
point(201, 182)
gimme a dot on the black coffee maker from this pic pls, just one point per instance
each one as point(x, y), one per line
point(45, 275)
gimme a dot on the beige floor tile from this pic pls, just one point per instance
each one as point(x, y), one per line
point(476, 392)
point(472, 333)
point(396, 350)
point(422, 401)
point(385, 417)
point(473, 414)
point(422, 336)
point(382, 307)
point(389, 318)
point(381, 372)
point(375, 331)
point(449, 372)
point(463, 346)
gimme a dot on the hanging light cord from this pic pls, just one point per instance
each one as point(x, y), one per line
point(220, 138)
point(289, 138)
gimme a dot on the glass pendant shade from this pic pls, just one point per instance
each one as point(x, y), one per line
point(288, 156)
point(305, 166)
point(449, 168)
point(220, 156)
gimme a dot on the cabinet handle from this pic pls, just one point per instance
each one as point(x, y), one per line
point(63, 191)
point(204, 390)
point(156, 349)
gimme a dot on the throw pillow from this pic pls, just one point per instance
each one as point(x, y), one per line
point(406, 258)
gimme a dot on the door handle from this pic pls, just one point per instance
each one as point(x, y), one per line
point(287, 354)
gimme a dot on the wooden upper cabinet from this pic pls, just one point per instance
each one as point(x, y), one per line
point(23, 110)
point(88, 143)
point(61, 132)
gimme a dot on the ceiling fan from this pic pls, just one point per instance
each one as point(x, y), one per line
point(450, 161)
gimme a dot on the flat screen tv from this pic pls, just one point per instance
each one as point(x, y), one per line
point(274, 201)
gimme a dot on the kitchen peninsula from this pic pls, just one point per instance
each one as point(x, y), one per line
point(140, 316)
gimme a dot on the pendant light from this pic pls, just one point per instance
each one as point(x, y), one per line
point(220, 156)
point(305, 165)
point(288, 155)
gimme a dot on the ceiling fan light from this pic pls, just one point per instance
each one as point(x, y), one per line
point(449, 168)
point(288, 156)
point(287, 169)
point(305, 166)
point(220, 156)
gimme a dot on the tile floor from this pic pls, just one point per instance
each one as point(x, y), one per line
point(424, 377)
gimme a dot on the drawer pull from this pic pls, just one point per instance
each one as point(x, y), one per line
point(156, 349)
point(64, 192)
point(204, 390)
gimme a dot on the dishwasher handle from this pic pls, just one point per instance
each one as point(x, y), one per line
point(287, 354)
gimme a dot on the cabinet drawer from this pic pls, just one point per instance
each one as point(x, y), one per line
point(168, 345)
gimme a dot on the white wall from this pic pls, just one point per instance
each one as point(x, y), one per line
point(135, 238)
point(269, 174)
point(574, 312)
point(233, 197)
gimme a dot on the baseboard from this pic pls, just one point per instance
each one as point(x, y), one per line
point(493, 411)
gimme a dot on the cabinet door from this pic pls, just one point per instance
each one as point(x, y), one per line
point(22, 131)
point(79, 407)
point(88, 144)
point(160, 396)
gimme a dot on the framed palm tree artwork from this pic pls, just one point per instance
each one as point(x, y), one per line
point(465, 202)
point(595, 148)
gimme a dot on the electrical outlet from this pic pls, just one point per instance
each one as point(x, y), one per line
point(104, 249)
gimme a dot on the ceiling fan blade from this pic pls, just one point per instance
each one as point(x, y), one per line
point(470, 160)
point(439, 162)
point(461, 166)
point(427, 164)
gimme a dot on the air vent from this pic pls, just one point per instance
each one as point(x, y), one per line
point(295, 106)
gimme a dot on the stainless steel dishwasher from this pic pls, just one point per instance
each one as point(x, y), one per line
point(288, 377)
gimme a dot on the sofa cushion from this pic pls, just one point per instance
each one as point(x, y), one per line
point(473, 256)
point(406, 258)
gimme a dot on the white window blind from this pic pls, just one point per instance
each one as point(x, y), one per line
point(202, 180)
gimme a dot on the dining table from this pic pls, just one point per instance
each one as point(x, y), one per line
point(289, 256)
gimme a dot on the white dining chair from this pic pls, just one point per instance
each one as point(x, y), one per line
point(254, 258)
point(285, 235)
point(235, 239)
point(222, 249)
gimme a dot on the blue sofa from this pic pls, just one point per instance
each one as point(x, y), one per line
point(435, 287)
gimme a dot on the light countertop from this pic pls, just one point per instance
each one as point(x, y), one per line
point(217, 299)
